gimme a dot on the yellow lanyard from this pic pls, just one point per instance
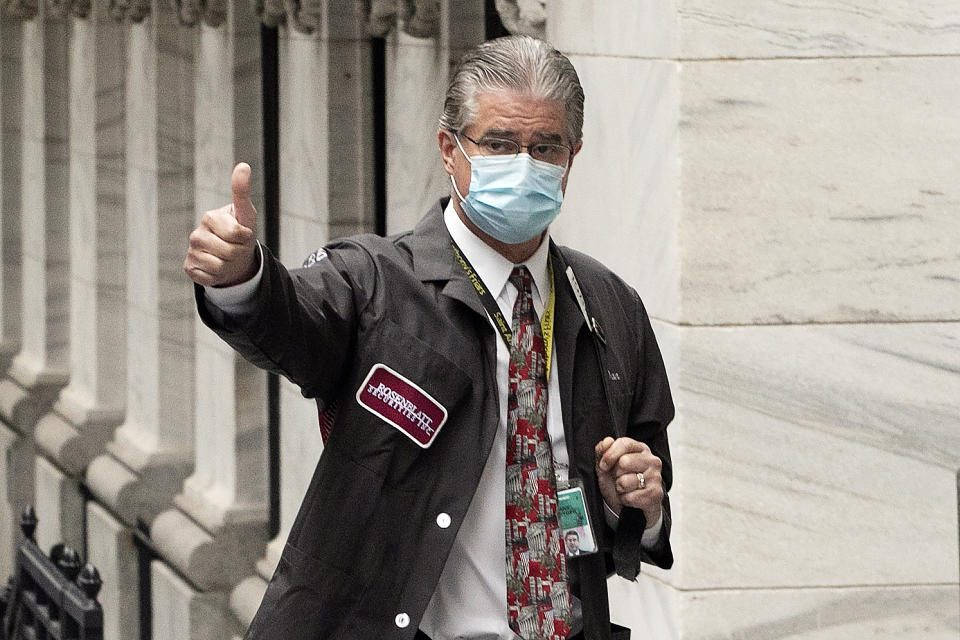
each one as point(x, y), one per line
point(493, 309)
point(546, 322)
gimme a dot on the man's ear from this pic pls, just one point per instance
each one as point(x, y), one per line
point(576, 150)
point(448, 147)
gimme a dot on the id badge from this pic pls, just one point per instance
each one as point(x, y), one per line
point(574, 520)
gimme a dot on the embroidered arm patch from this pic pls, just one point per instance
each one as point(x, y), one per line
point(402, 404)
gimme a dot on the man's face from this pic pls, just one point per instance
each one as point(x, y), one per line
point(505, 115)
point(573, 543)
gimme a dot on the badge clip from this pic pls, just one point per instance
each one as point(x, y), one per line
point(598, 331)
point(579, 296)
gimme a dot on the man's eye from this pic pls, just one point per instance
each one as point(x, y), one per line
point(543, 149)
point(496, 146)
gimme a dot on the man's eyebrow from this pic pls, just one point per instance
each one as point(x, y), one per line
point(540, 136)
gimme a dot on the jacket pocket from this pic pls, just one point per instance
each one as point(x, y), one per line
point(402, 398)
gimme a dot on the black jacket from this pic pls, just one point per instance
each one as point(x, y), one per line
point(365, 547)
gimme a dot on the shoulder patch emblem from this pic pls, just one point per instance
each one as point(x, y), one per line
point(315, 257)
point(402, 404)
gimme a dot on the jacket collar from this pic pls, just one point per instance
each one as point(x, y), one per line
point(433, 259)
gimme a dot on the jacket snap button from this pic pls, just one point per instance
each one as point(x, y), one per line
point(402, 620)
point(443, 520)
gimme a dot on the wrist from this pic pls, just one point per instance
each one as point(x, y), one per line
point(253, 267)
point(652, 515)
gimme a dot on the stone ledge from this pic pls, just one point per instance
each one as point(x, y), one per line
point(22, 405)
point(127, 446)
point(133, 495)
point(180, 611)
point(72, 445)
point(213, 513)
point(211, 563)
point(268, 563)
point(246, 598)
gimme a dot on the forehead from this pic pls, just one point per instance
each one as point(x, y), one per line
point(520, 114)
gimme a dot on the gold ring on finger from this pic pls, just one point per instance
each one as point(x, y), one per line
point(641, 480)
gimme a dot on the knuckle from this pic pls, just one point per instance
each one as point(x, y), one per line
point(196, 237)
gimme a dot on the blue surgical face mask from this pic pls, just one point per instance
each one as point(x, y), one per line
point(512, 198)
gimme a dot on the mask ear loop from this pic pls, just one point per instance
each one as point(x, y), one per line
point(459, 195)
point(456, 139)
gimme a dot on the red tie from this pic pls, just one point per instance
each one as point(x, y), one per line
point(538, 601)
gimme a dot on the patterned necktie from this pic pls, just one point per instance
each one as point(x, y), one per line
point(538, 601)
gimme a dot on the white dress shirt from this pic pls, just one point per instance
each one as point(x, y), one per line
point(470, 600)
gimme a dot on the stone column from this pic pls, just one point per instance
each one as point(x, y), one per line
point(418, 69)
point(325, 192)
point(40, 368)
point(772, 178)
point(10, 121)
point(10, 260)
point(219, 527)
point(151, 453)
point(91, 406)
point(110, 548)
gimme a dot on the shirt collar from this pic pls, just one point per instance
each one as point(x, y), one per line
point(492, 267)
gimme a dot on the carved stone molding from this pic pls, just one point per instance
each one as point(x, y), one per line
point(420, 18)
point(63, 8)
point(190, 12)
point(306, 16)
point(524, 16)
point(271, 12)
point(132, 10)
point(23, 9)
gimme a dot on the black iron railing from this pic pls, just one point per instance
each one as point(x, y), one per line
point(50, 597)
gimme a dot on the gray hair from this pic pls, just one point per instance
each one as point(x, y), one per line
point(514, 63)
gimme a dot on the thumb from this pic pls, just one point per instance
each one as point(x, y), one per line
point(243, 209)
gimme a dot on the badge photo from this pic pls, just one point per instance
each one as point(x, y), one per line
point(575, 522)
point(401, 403)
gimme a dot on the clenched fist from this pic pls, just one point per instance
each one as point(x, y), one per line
point(223, 249)
point(620, 465)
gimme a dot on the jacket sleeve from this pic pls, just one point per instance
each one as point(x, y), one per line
point(303, 322)
point(651, 411)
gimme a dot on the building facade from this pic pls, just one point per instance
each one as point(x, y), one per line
point(778, 180)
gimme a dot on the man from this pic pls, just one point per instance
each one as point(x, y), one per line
point(572, 539)
point(472, 374)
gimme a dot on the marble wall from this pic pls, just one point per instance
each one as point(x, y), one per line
point(417, 74)
point(774, 178)
point(791, 232)
point(10, 146)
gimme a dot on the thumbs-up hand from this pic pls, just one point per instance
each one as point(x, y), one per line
point(223, 249)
